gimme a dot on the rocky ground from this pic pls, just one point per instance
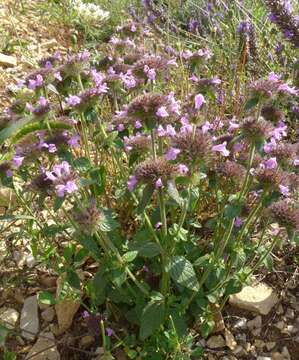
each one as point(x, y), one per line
point(27, 34)
point(260, 323)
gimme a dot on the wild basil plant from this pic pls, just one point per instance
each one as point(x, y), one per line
point(132, 159)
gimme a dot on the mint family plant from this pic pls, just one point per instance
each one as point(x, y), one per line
point(131, 157)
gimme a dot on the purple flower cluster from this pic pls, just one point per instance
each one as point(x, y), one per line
point(63, 179)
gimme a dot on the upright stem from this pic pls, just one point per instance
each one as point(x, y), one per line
point(153, 145)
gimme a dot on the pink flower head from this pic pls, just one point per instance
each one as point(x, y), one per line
point(296, 162)
point(285, 191)
point(161, 131)
point(273, 77)
point(57, 76)
point(221, 148)
point(37, 83)
point(183, 169)
point(137, 124)
point(270, 163)
point(158, 183)
point(51, 148)
point(193, 78)
point(237, 147)
point(158, 225)
point(172, 154)
point(111, 71)
point(63, 179)
point(285, 88)
point(132, 182)
point(128, 80)
point(170, 130)
point(9, 173)
point(74, 141)
point(280, 131)
point(172, 62)
point(233, 126)
point(120, 127)
point(206, 127)
point(17, 161)
point(109, 332)
point(150, 73)
point(270, 146)
point(43, 101)
point(238, 222)
point(97, 77)
point(162, 112)
point(73, 100)
point(199, 100)
point(174, 104)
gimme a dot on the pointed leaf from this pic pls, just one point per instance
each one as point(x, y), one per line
point(182, 272)
point(146, 198)
point(173, 193)
point(152, 318)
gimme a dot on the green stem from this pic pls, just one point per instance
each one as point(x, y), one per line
point(112, 247)
point(251, 157)
point(153, 145)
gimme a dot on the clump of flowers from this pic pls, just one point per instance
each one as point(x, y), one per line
point(90, 13)
point(150, 177)
point(281, 15)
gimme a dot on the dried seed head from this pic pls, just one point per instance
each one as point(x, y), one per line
point(197, 147)
point(270, 178)
point(285, 152)
point(270, 113)
point(153, 107)
point(286, 213)
point(281, 15)
point(137, 144)
point(264, 88)
point(88, 218)
point(58, 138)
point(4, 167)
point(256, 130)
point(150, 171)
point(231, 170)
point(42, 184)
point(151, 62)
point(50, 60)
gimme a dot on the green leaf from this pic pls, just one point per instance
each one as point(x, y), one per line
point(13, 128)
point(108, 223)
point(251, 103)
point(81, 164)
point(232, 211)
point(4, 331)
point(146, 198)
point(46, 298)
point(38, 126)
point(8, 355)
point(173, 193)
point(207, 327)
point(99, 176)
point(130, 256)
point(16, 217)
point(119, 276)
point(89, 243)
point(233, 287)
point(198, 352)
point(182, 272)
point(145, 248)
point(202, 260)
point(73, 279)
point(58, 203)
point(152, 318)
